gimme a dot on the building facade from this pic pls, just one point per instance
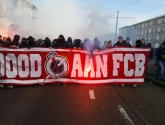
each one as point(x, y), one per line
point(153, 30)
point(13, 11)
point(9, 6)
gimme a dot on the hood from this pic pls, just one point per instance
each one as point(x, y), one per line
point(30, 40)
point(69, 40)
point(138, 43)
point(47, 40)
point(149, 45)
point(87, 44)
point(8, 40)
point(77, 43)
point(96, 43)
point(63, 38)
point(16, 40)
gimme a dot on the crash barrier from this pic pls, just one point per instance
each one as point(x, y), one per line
point(44, 65)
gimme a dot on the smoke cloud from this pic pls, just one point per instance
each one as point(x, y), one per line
point(68, 17)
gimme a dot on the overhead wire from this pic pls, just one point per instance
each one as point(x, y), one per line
point(129, 5)
point(152, 9)
point(148, 11)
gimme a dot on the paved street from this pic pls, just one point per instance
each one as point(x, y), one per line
point(77, 105)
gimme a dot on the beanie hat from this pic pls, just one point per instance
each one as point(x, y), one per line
point(120, 37)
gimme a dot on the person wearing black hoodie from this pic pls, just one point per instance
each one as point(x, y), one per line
point(23, 43)
point(7, 43)
point(77, 44)
point(15, 42)
point(151, 53)
point(61, 43)
point(138, 44)
point(160, 54)
point(31, 42)
point(69, 43)
point(1, 41)
point(96, 45)
point(54, 43)
point(47, 43)
point(143, 44)
point(150, 56)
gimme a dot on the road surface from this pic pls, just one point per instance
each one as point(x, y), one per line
point(83, 105)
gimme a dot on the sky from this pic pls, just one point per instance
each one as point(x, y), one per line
point(112, 6)
point(87, 15)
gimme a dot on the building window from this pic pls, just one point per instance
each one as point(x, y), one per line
point(158, 29)
point(153, 30)
point(145, 37)
point(142, 32)
point(146, 31)
point(149, 38)
point(151, 23)
point(163, 28)
point(139, 26)
point(159, 21)
point(157, 37)
point(157, 45)
point(146, 23)
point(150, 30)
point(143, 25)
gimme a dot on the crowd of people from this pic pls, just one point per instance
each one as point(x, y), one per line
point(60, 42)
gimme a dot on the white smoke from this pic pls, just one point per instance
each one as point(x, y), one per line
point(70, 18)
point(67, 17)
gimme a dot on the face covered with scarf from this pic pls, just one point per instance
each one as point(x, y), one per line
point(138, 43)
point(16, 40)
point(61, 39)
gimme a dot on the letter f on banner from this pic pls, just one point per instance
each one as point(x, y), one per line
point(116, 64)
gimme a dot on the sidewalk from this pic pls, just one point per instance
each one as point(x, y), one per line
point(152, 72)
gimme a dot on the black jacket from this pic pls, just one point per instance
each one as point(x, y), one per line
point(31, 43)
point(60, 43)
point(69, 43)
point(123, 44)
point(151, 54)
point(15, 41)
point(1, 42)
point(159, 53)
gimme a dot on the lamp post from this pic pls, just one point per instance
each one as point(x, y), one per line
point(116, 25)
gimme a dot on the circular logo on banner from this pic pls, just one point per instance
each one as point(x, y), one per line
point(56, 66)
